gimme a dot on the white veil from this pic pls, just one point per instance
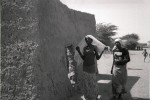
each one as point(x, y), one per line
point(99, 46)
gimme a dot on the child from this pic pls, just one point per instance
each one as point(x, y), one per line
point(145, 54)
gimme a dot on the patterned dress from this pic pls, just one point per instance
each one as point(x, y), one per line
point(87, 78)
point(119, 76)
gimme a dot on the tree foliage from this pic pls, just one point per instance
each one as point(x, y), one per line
point(148, 44)
point(131, 44)
point(105, 33)
point(132, 40)
point(133, 36)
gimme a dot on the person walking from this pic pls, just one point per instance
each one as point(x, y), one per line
point(119, 72)
point(88, 83)
point(145, 54)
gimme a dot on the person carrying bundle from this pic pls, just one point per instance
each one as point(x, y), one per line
point(90, 54)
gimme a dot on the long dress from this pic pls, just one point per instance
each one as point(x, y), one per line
point(119, 76)
point(119, 79)
point(86, 81)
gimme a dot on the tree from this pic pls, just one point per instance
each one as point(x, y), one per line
point(105, 33)
point(148, 44)
point(132, 40)
point(131, 44)
point(133, 36)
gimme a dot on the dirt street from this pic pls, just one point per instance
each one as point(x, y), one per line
point(138, 84)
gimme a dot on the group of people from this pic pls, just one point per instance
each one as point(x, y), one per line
point(89, 86)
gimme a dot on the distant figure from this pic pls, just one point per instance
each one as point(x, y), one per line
point(138, 48)
point(88, 81)
point(119, 72)
point(145, 54)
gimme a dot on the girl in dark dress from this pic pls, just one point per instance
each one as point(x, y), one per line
point(88, 83)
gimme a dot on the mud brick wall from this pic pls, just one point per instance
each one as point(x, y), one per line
point(52, 26)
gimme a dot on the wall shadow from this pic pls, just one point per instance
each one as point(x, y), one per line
point(134, 69)
point(139, 99)
point(105, 88)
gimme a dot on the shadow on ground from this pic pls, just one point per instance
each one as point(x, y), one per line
point(139, 99)
point(105, 88)
point(104, 83)
point(134, 69)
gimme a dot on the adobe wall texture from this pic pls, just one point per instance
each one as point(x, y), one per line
point(53, 26)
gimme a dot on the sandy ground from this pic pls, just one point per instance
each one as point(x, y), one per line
point(138, 85)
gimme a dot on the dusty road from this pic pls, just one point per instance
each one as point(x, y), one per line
point(138, 84)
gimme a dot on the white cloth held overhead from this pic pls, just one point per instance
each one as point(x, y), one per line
point(99, 46)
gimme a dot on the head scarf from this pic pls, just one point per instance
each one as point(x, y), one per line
point(118, 40)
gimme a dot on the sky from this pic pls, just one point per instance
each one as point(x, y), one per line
point(131, 16)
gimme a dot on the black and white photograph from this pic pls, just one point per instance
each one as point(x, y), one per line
point(75, 50)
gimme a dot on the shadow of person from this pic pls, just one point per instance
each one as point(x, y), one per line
point(105, 87)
